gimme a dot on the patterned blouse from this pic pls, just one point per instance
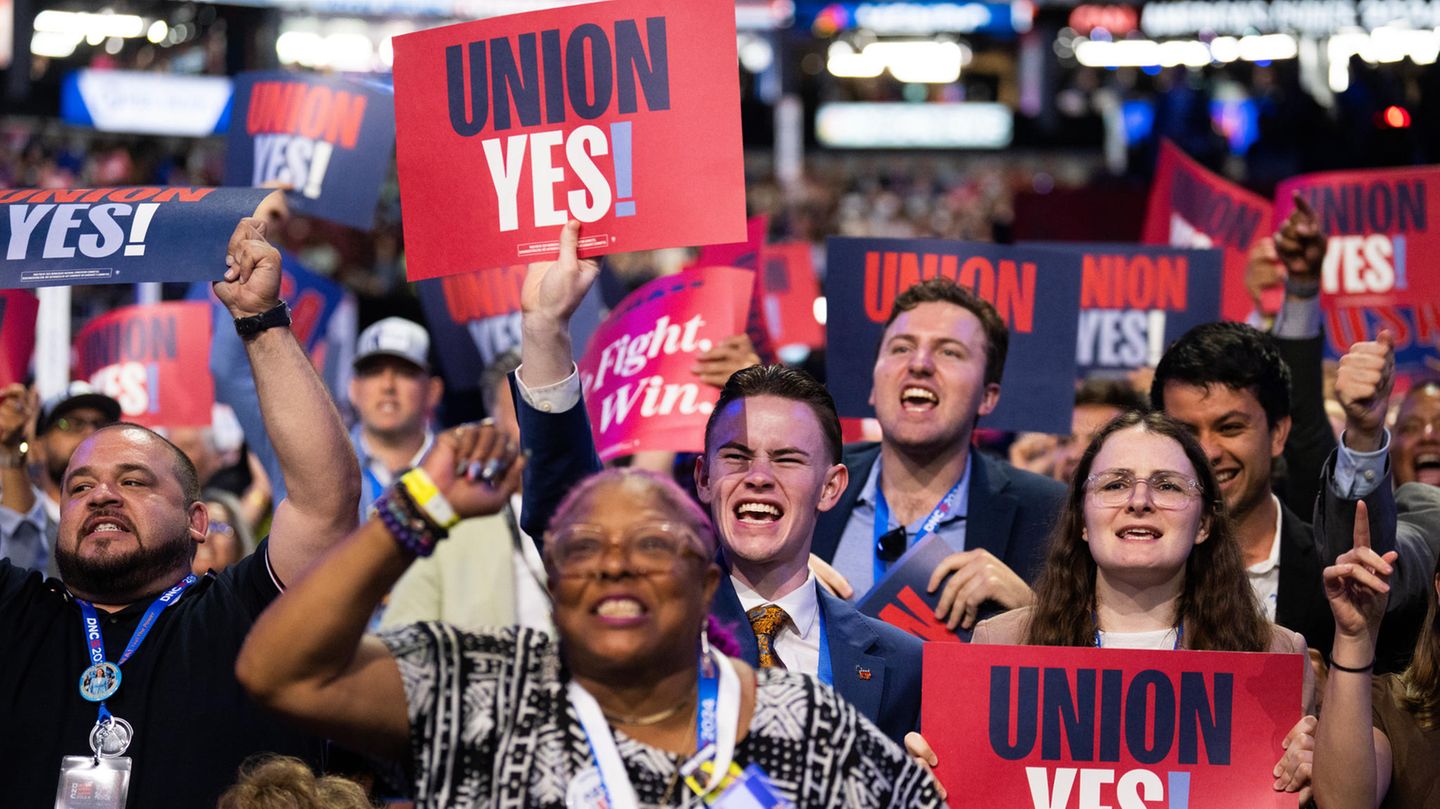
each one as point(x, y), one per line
point(491, 725)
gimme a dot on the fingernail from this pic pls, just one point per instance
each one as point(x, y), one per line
point(472, 472)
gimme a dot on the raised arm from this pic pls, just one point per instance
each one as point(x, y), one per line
point(1352, 758)
point(321, 475)
point(555, 433)
point(307, 657)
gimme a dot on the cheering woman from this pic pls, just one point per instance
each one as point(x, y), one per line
point(631, 708)
point(1143, 557)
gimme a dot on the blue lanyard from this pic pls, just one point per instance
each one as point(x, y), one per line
point(706, 714)
point(95, 642)
point(882, 521)
point(825, 673)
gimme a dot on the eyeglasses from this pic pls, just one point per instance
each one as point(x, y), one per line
point(579, 549)
point(79, 424)
point(1168, 490)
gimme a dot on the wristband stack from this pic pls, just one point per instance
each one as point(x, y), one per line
point(415, 513)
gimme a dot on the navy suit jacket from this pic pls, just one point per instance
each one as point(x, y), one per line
point(562, 452)
point(876, 667)
point(1010, 514)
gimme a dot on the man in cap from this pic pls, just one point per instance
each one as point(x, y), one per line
point(30, 518)
point(394, 396)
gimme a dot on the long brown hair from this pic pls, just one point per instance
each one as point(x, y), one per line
point(1218, 608)
point(1421, 679)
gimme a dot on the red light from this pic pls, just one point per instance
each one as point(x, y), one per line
point(1396, 117)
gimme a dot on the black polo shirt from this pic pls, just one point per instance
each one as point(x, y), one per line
point(193, 723)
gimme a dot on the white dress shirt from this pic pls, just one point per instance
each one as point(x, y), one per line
point(1265, 575)
point(798, 641)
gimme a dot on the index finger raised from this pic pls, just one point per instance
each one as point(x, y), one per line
point(1362, 525)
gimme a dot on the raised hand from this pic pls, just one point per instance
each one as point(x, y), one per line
point(1299, 244)
point(1358, 584)
point(1362, 386)
point(715, 366)
point(252, 274)
point(978, 577)
point(476, 467)
point(17, 406)
point(554, 290)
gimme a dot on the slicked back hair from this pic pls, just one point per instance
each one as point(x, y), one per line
point(944, 290)
point(1235, 355)
point(783, 383)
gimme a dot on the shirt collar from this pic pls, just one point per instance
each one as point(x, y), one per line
point(1273, 562)
point(368, 460)
point(802, 604)
point(962, 502)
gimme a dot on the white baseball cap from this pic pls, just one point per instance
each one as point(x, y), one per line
point(395, 337)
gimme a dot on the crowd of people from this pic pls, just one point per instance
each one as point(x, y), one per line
point(486, 615)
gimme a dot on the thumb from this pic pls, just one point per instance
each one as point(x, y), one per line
point(1386, 338)
point(570, 241)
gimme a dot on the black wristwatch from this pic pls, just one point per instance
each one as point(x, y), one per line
point(248, 327)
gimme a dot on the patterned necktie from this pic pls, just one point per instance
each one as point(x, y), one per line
point(766, 620)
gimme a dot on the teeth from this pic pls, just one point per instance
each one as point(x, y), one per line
point(1226, 476)
point(106, 526)
point(757, 512)
point(919, 393)
point(1427, 459)
point(619, 608)
point(1139, 533)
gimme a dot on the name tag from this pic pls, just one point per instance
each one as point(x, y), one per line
point(90, 783)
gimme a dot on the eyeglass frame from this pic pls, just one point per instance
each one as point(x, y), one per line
point(688, 545)
point(1190, 490)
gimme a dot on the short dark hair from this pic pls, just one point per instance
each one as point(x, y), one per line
point(180, 463)
point(784, 383)
point(1235, 355)
point(944, 290)
point(1117, 393)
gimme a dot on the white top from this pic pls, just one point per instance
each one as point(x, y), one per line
point(798, 641)
point(1161, 639)
point(1265, 576)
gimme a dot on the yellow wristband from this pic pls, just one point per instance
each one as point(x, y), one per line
point(428, 497)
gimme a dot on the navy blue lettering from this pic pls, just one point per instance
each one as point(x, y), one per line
point(1075, 714)
point(1112, 685)
point(554, 76)
point(466, 123)
point(1198, 717)
point(1144, 747)
point(577, 70)
point(630, 63)
point(1026, 699)
point(521, 82)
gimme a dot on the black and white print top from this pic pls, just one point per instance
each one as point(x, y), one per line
point(491, 726)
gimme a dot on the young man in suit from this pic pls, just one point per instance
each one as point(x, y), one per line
point(771, 464)
point(936, 373)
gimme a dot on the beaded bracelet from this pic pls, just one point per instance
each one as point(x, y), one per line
point(406, 523)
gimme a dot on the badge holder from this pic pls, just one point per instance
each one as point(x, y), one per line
point(91, 782)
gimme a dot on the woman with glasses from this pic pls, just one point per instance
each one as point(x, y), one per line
point(1143, 557)
point(632, 707)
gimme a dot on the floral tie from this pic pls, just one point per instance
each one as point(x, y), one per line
point(766, 621)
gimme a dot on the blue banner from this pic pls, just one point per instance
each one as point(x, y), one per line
point(1136, 300)
point(900, 599)
point(1035, 291)
point(328, 141)
point(65, 237)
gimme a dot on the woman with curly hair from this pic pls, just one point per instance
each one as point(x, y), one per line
point(1144, 557)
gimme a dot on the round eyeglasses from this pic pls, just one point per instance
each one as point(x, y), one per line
point(580, 549)
point(1168, 490)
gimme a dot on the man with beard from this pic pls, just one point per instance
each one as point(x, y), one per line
point(30, 514)
point(150, 648)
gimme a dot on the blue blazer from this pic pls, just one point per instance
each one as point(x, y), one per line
point(875, 666)
point(1011, 511)
point(562, 452)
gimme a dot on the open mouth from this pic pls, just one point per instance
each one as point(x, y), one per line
point(102, 525)
point(620, 609)
point(1427, 468)
point(1224, 476)
point(1140, 534)
point(757, 513)
point(918, 399)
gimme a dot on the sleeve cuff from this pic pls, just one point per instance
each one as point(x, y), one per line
point(1298, 319)
point(1357, 474)
point(555, 398)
